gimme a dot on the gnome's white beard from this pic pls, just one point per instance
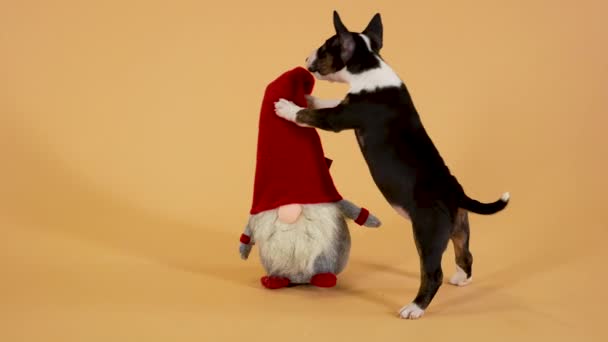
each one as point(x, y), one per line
point(291, 249)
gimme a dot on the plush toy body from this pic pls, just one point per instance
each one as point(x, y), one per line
point(297, 218)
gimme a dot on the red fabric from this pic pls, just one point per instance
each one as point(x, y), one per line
point(274, 283)
point(245, 239)
point(324, 280)
point(290, 164)
point(363, 215)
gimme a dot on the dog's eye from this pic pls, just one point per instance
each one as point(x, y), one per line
point(323, 51)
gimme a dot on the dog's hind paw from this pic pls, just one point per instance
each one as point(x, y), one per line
point(411, 311)
point(460, 278)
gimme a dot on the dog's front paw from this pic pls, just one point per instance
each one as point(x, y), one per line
point(287, 109)
point(411, 311)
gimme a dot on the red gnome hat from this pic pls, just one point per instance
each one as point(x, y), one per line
point(290, 165)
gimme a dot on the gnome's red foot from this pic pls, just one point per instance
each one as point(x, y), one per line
point(274, 283)
point(324, 280)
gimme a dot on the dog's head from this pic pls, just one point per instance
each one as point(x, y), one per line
point(347, 53)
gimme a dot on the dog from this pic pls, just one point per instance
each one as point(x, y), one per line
point(403, 162)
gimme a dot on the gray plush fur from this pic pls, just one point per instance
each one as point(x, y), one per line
point(318, 242)
point(352, 211)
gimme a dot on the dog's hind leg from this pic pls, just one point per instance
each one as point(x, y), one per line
point(464, 258)
point(432, 228)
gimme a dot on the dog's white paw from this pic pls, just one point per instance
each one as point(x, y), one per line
point(411, 311)
point(460, 277)
point(286, 109)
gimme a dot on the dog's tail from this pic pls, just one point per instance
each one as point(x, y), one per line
point(485, 208)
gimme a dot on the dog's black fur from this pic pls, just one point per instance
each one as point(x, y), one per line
point(402, 159)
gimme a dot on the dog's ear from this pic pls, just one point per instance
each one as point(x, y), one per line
point(338, 25)
point(374, 32)
point(347, 41)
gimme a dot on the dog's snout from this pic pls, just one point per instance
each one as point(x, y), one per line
point(310, 61)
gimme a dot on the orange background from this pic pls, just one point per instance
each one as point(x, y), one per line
point(128, 133)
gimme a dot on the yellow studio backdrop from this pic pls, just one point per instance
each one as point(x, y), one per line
point(128, 137)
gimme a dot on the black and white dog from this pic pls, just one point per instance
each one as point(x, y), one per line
point(401, 157)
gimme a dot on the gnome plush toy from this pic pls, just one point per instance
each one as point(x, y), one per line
point(297, 218)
